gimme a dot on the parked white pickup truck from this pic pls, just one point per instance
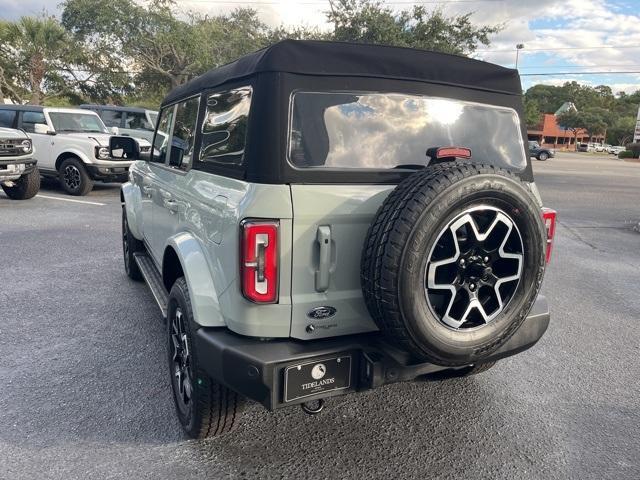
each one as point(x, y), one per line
point(72, 145)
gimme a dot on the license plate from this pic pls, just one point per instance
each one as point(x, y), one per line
point(312, 378)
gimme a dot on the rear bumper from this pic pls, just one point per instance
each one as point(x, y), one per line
point(255, 368)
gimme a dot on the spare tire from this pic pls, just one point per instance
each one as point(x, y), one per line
point(453, 262)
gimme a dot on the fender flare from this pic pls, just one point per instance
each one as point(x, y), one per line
point(202, 290)
point(75, 152)
point(131, 201)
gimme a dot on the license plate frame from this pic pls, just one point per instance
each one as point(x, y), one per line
point(299, 379)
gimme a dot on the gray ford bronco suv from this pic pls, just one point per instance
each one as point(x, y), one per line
point(318, 219)
point(19, 176)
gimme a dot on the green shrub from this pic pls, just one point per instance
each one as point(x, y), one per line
point(634, 148)
point(627, 154)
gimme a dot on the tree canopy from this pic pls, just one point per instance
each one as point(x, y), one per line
point(599, 110)
point(122, 51)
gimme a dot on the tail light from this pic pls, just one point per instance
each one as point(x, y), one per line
point(259, 260)
point(549, 217)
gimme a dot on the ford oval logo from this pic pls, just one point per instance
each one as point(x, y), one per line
point(320, 313)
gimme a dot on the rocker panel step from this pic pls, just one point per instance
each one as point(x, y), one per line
point(154, 280)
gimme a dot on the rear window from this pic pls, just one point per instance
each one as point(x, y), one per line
point(389, 130)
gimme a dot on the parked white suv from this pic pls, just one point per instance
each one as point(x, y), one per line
point(19, 177)
point(72, 145)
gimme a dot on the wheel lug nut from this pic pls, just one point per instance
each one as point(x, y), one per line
point(462, 262)
point(472, 286)
point(486, 259)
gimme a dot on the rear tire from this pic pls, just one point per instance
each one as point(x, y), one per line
point(26, 187)
point(74, 178)
point(204, 407)
point(542, 156)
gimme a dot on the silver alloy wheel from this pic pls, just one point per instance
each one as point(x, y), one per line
point(474, 267)
point(181, 361)
point(72, 176)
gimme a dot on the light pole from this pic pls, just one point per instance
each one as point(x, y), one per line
point(519, 47)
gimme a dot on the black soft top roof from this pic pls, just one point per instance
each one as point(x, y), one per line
point(308, 57)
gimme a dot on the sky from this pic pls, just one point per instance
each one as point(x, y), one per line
point(569, 39)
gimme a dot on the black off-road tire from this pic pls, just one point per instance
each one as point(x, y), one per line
point(74, 178)
point(400, 239)
point(26, 187)
point(130, 245)
point(214, 409)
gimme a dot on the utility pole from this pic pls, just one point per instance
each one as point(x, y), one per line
point(519, 47)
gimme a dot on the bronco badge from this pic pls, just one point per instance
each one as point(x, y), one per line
point(320, 313)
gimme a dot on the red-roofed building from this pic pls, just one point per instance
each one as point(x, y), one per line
point(551, 135)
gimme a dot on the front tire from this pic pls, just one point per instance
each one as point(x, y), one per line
point(542, 156)
point(26, 187)
point(205, 408)
point(130, 245)
point(74, 177)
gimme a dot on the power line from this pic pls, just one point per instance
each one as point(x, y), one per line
point(551, 49)
point(629, 65)
point(317, 2)
point(629, 72)
point(619, 72)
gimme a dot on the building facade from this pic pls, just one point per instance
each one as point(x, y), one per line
point(551, 135)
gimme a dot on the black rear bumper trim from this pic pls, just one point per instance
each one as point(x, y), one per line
point(255, 368)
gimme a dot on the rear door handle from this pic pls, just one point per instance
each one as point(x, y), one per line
point(323, 237)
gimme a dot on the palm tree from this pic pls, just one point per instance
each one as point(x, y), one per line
point(40, 41)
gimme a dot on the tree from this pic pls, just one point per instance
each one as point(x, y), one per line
point(369, 21)
point(35, 45)
point(571, 120)
point(532, 112)
point(621, 131)
point(595, 121)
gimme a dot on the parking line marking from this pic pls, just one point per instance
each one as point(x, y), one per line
point(71, 200)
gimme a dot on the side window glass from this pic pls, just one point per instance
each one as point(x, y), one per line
point(224, 128)
point(161, 139)
point(29, 119)
point(184, 134)
point(111, 118)
point(7, 117)
point(137, 121)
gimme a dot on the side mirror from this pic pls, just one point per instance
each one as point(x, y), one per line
point(43, 129)
point(126, 148)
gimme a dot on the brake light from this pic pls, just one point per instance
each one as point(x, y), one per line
point(549, 218)
point(259, 260)
point(457, 152)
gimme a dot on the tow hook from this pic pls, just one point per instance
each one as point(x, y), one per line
point(313, 407)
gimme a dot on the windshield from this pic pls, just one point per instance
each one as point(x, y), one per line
point(389, 130)
point(77, 122)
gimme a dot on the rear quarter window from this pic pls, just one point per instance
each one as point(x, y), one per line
point(224, 127)
point(7, 117)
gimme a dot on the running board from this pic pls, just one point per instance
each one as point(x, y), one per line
point(154, 280)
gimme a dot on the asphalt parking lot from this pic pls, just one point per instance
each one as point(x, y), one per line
point(84, 391)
